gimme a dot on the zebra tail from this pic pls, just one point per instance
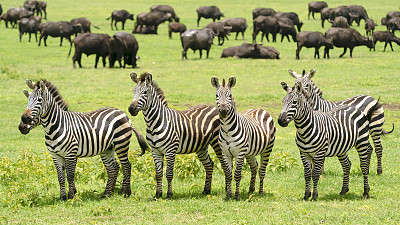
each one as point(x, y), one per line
point(384, 132)
point(141, 140)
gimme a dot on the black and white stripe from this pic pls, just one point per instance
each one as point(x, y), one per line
point(325, 134)
point(70, 135)
point(171, 132)
point(243, 136)
point(365, 103)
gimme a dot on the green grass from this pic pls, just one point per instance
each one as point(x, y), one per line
point(29, 188)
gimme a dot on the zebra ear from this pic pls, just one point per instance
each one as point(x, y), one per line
point(30, 84)
point(149, 78)
point(294, 74)
point(42, 86)
point(231, 82)
point(286, 87)
point(311, 73)
point(26, 93)
point(215, 82)
point(134, 77)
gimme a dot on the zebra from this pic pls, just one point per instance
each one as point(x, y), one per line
point(243, 136)
point(170, 132)
point(325, 134)
point(71, 135)
point(365, 103)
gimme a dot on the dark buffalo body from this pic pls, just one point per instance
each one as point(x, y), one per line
point(220, 31)
point(326, 14)
point(15, 14)
point(254, 51)
point(151, 19)
point(310, 39)
point(369, 26)
point(123, 46)
point(89, 44)
point(263, 12)
point(165, 9)
point(286, 28)
point(208, 12)
point(62, 29)
point(385, 36)
point(316, 7)
point(293, 16)
point(267, 25)
point(346, 38)
point(340, 21)
point(175, 27)
point(197, 40)
point(145, 30)
point(238, 25)
point(85, 23)
point(120, 16)
point(30, 26)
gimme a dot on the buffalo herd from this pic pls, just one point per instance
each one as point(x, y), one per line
point(123, 46)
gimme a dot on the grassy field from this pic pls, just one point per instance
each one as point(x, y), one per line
point(29, 188)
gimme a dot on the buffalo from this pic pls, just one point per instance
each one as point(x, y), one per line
point(293, 16)
point(310, 39)
point(254, 51)
point(154, 19)
point(123, 45)
point(62, 29)
point(36, 6)
point(197, 40)
point(208, 12)
point(359, 11)
point(392, 14)
point(326, 14)
point(267, 25)
point(346, 38)
point(238, 25)
point(175, 27)
point(145, 30)
point(263, 12)
point(220, 31)
point(120, 16)
point(369, 26)
point(15, 14)
point(340, 21)
point(393, 24)
point(316, 7)
point(267, 52)
point(286, 28)
point(1, 10)
point(89, 43)
point(42, 8)
point(385, 36)
point(165, 9)
point(85, 23)
point(30, 26)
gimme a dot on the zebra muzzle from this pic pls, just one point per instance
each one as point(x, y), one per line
point(26, 117)
point(282, 120)
point(24, 128)
point(133, 109)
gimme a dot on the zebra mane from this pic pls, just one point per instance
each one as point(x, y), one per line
point(54, 93)
point(158, 90)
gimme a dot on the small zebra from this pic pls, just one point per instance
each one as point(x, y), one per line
point(71, 135)
point(170, 132)
point(365, 103)
point(243, 136)
point(325, 134)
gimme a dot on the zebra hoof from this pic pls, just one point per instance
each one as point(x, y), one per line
point(206, 191)
point(314, 196)
point(71, 195)
point(379, 171)
point(307, 195)
point(169, 195)
point(344, 191)
point(125, 191)
point(158, 195)
point(366, 196)
point(251, 190)
point(63, 197)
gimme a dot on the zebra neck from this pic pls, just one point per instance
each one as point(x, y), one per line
point(321, 104)
point(52, 117)
point(231, 123)
point(304, 118)
point(155, 111)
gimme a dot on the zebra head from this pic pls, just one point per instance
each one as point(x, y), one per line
point(31, 116)
point(291, 103)
point(307, 83)
point(140, 92)
point(225, 100)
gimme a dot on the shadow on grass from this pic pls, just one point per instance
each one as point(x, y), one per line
point(337, 197)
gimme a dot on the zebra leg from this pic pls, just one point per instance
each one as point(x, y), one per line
point(264, 158)
point(307, 163)
point(346, 165)
point(376, 137)
point(170, 157)
point(362, 150)
point(369, 154)
point(122, 153)
point(228, 175)
point(238, 173)
point(112, 167)
point(70, 163)
point(158, 161)
point(253, 168)
point(223, 161)
point(59, 163)
point(316, 173)
point(208, 164)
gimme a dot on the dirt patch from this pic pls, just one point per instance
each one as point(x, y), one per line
point(390, 106)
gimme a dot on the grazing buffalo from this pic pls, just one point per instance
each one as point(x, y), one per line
point(220, 31)
point(32, 6)
point(238, 25)
point(123, 45)
point(385, 36)
point(340, 11)
point(42, 8)
point(197, 40)
point(38, 19)
point(62, 29)
point(393, 24)
point(359, 11)
point(85, 23)
point(15, 14)
point(89, 43)
point(175, 27)
point(208, 12)
point(369, 26)
point(267, 25)
point(346, 38)
point(267, 52)
point(310, 39)
point(245, 50)
point(263, 12)
point(340, 21)
point(326, 14)
point(154, 19)
point(286, 28)
point(165, 9)
point(1, 10)
point(293, 16)
point(29, 26)
point(120, 16)
point(316, 7)
point(392, 14)
point(384, 21)
point(145, 30)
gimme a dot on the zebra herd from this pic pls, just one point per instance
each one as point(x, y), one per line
point(324, 129)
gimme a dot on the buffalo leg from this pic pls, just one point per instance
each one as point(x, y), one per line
point(123, 25)
point(345, 49)
point(29, 37)
point(61, 40)
point(20, 36)
point(96, 61)
point(104, 61)
point(390, 43)
point(201, 53)
point(326, 53)
point(351, 52)
point(112, 24)
point(36, 36)
point(298, 52)
point(77, 57)
point(198, 20)
point(316, 53)
point(115, 24)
